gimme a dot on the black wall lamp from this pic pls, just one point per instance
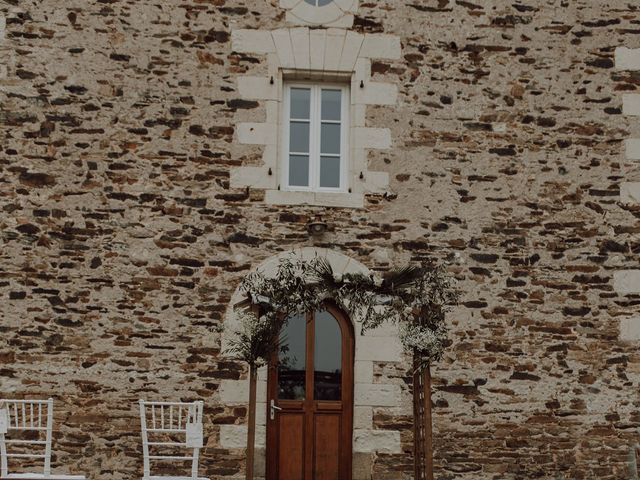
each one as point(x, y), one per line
point(317, 226)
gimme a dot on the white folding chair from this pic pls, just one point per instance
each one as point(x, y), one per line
point(24, 416)
point(163, 423)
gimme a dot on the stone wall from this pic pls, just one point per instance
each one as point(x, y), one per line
point(123, 239)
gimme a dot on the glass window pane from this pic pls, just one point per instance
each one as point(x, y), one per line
point(330, 138)
point(322, 3)
point(300, 103)
point(299, 137)
point(331, 104)
point(330, 172)
point(292, 359)
point(327, 358)
point(299, 170)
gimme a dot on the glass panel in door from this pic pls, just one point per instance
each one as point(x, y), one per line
point(327, 361)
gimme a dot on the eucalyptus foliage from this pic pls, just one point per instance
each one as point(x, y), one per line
point(414, 297)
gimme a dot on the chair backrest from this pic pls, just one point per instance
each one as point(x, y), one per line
point(159, 420)
point(25, 416)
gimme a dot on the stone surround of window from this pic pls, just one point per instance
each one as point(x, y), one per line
point(330, 55)
point(333, 13)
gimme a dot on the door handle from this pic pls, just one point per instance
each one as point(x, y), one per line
point(272, 410)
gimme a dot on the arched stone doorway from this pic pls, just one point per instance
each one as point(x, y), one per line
point(371, 393)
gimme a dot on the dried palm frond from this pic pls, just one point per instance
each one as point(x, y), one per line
point(402, 278)
point(257, 340)
point(321, 273)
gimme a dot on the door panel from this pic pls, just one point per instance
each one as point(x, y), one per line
point(291, 455)
point(311, 384)
point(327, 447)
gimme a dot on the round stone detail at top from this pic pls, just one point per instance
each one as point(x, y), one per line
point(330, 13)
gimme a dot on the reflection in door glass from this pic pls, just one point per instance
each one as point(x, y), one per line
point(292, 359)
point(327, 358)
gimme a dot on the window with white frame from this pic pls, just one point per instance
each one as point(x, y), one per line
point(315, 139)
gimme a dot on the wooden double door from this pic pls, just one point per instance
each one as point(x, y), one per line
point(310, 399)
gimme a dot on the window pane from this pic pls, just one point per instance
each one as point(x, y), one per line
point(330, 172)
point(299, 137)
point(331, 104)
point(330, 138)
point(300, 103)
point(292, 359)
point(299, 170)
point(322, 3)
point(327, 358)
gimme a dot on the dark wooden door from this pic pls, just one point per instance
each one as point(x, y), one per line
point(310, 385)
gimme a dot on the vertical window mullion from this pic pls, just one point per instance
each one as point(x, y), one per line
point(316, 125)
point(312, 138)
point(345, 144)
point(287, 134)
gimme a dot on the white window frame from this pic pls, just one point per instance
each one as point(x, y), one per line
point(314, 137)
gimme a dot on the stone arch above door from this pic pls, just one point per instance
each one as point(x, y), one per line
point(372, 393)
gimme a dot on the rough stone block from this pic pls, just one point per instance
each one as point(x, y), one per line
point(261, 413)
point(257, 133)
point(631, 104)
point(363, 371)
point(333, 49)
point(627, 58)
point(379, 349)
point(377, 395)
point(288, 3)
point(362, 466)
point(630, 329)
point(379, 138)
point(257, 88)
point(376, 182)
point(347, 5)
point(627, 282)
point(282, 42)
point(234, 392)
point(255, 177)
point(362, 417)
point(377, 45)
point(633, 148)
point(630, 192)
point(260, 463)
point(300, 46)
point(318, 42)
point(235, 436)
point(376, 93)
point(345, 21)
point(382, 441)
point(252, 41)
point(352, 43)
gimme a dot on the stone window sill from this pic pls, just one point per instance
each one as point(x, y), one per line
point(320, 199)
